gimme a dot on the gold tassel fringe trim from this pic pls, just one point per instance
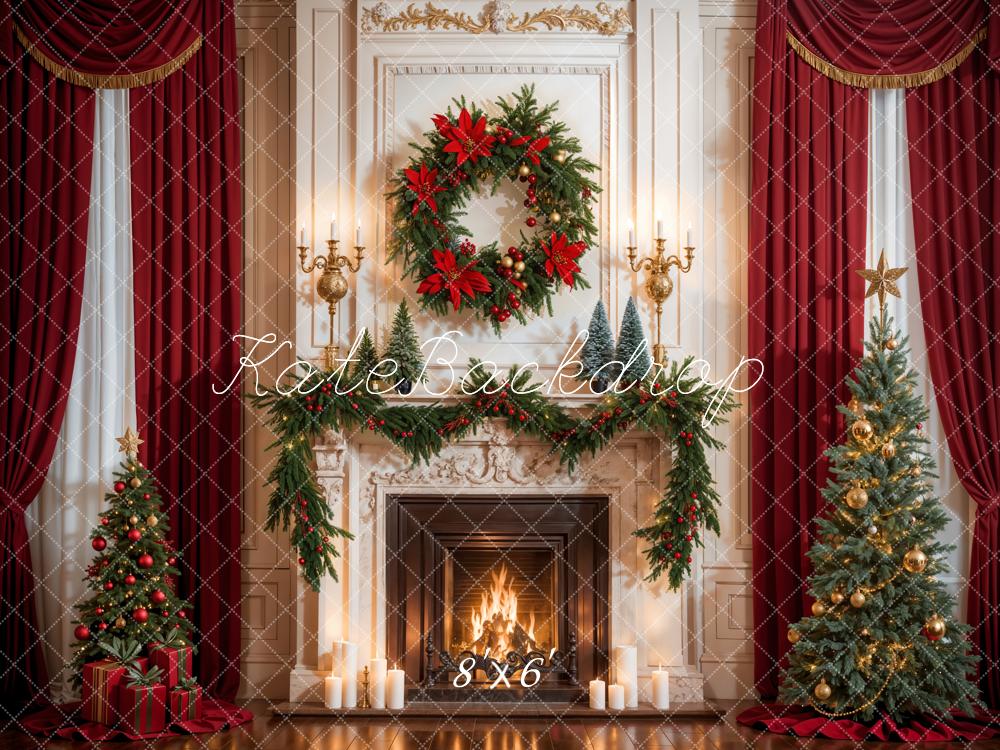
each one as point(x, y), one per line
point(100, 81)
point(874, 81)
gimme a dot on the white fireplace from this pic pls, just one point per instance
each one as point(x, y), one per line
point(360, 474)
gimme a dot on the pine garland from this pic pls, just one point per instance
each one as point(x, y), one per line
point(468, 153)
point(673, 406)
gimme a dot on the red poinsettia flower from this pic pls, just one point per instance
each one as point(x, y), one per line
point(468, 140)
point(458, 280)
point(562, 256)
point(534, 148)
point(442, 123)
point(424, 185)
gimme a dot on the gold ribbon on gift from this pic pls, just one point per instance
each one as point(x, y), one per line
point(107, 81)
point(877, 81)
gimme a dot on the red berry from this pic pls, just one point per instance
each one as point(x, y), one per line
point(694, 495)
point(140, 615)
point(99, 543)
point(130, 580)
point(494, 309)
point(677, 555)
point(516, 304)
point(688, 537)
point(119, 486)
point(689, 559)
point(82, 632)
point(302, 561)
point(134, 535)
point(532, 179)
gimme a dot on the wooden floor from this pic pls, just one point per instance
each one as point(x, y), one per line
point(278, 733)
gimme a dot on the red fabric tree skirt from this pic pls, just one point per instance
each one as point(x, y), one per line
point(63, 721)
point(804, 722)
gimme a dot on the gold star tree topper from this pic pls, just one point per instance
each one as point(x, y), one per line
point(129, 442)
point(882, 279)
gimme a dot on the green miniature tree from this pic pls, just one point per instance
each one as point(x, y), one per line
point(632, 339)
point(881, 640)
point(366, 360)
point(599, 349)
point(133, 598)
point(403, 348)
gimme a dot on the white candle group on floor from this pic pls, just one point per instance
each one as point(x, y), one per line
point(624, 692)
point(341, 687)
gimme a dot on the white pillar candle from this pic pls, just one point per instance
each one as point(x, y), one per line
point(302, 238)
point(332, 692)
point(631, 235)
point(357, 236)
point(661, 689)
point(349, 674)
point(659, 228)
point(333, 226)
point(395, 684)
point(616, 697)
point(597, 689)
point(377, 669)
point(689, 243)
point(627, 673)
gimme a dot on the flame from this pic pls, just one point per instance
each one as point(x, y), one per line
point(498, 610)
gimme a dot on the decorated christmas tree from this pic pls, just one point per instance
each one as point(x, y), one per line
point(366, 360)
point(133, 596)
point(881, 640)
point(631, 339)
point(598, 350)
point(403, 348)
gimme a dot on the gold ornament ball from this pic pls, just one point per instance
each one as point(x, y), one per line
point(524, 170)
point(517, 275)
point(133, 520)
point(865, 632)
point(891, 345)
point(836, 597)
point(506, 261)
point(555, 217)
point(135, 482)
point(854, 405)
point(120, 622)
point(916, 471)
point(862, 429)
point(560, 156)
point(822, 691)
point(857, 498)
point(794, 635)
point(520, 266)
point(818, 608)
point(152, 521)
point(858, 600)
point(935, 627)
point(915, 560)
point(888, 450)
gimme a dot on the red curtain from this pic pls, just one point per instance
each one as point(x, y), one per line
point(188, 258)
point(46, 142)
point(954, 137)
point(807, 233)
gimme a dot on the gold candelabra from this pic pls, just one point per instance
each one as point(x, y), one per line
point(332, 286)
point(659, 284)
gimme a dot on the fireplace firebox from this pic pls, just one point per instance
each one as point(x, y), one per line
point(493, 581)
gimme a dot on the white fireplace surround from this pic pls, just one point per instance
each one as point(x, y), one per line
point(358, 473)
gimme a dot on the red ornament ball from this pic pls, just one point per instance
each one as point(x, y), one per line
point(181, 613)
point(108, 586)
point(158, 597)
point(171, 560)
point(102, 626)
point(134, 535)
point(98, 543)
point(145, 561)
point(530, 221)
point(140, 615)
point(98, 611)
point(119, 486)
point(130, 580)
point(82, 632)
point(302, 561)
point(145, 496)
point(105, 521)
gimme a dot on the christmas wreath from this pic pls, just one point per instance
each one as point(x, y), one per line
point(469, 152)
point(673, 405)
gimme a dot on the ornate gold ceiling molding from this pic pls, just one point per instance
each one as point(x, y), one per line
point(497, 17)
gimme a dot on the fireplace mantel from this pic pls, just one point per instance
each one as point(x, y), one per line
point(358, 472)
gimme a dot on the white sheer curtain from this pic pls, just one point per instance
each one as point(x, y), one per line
point(890, 227)
point(102, 394)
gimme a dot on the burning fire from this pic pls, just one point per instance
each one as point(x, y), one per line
point(495, 625)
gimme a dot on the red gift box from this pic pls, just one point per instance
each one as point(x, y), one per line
point(143, 708)
point(185, 703)
point(101, 680)
point(175, 661)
